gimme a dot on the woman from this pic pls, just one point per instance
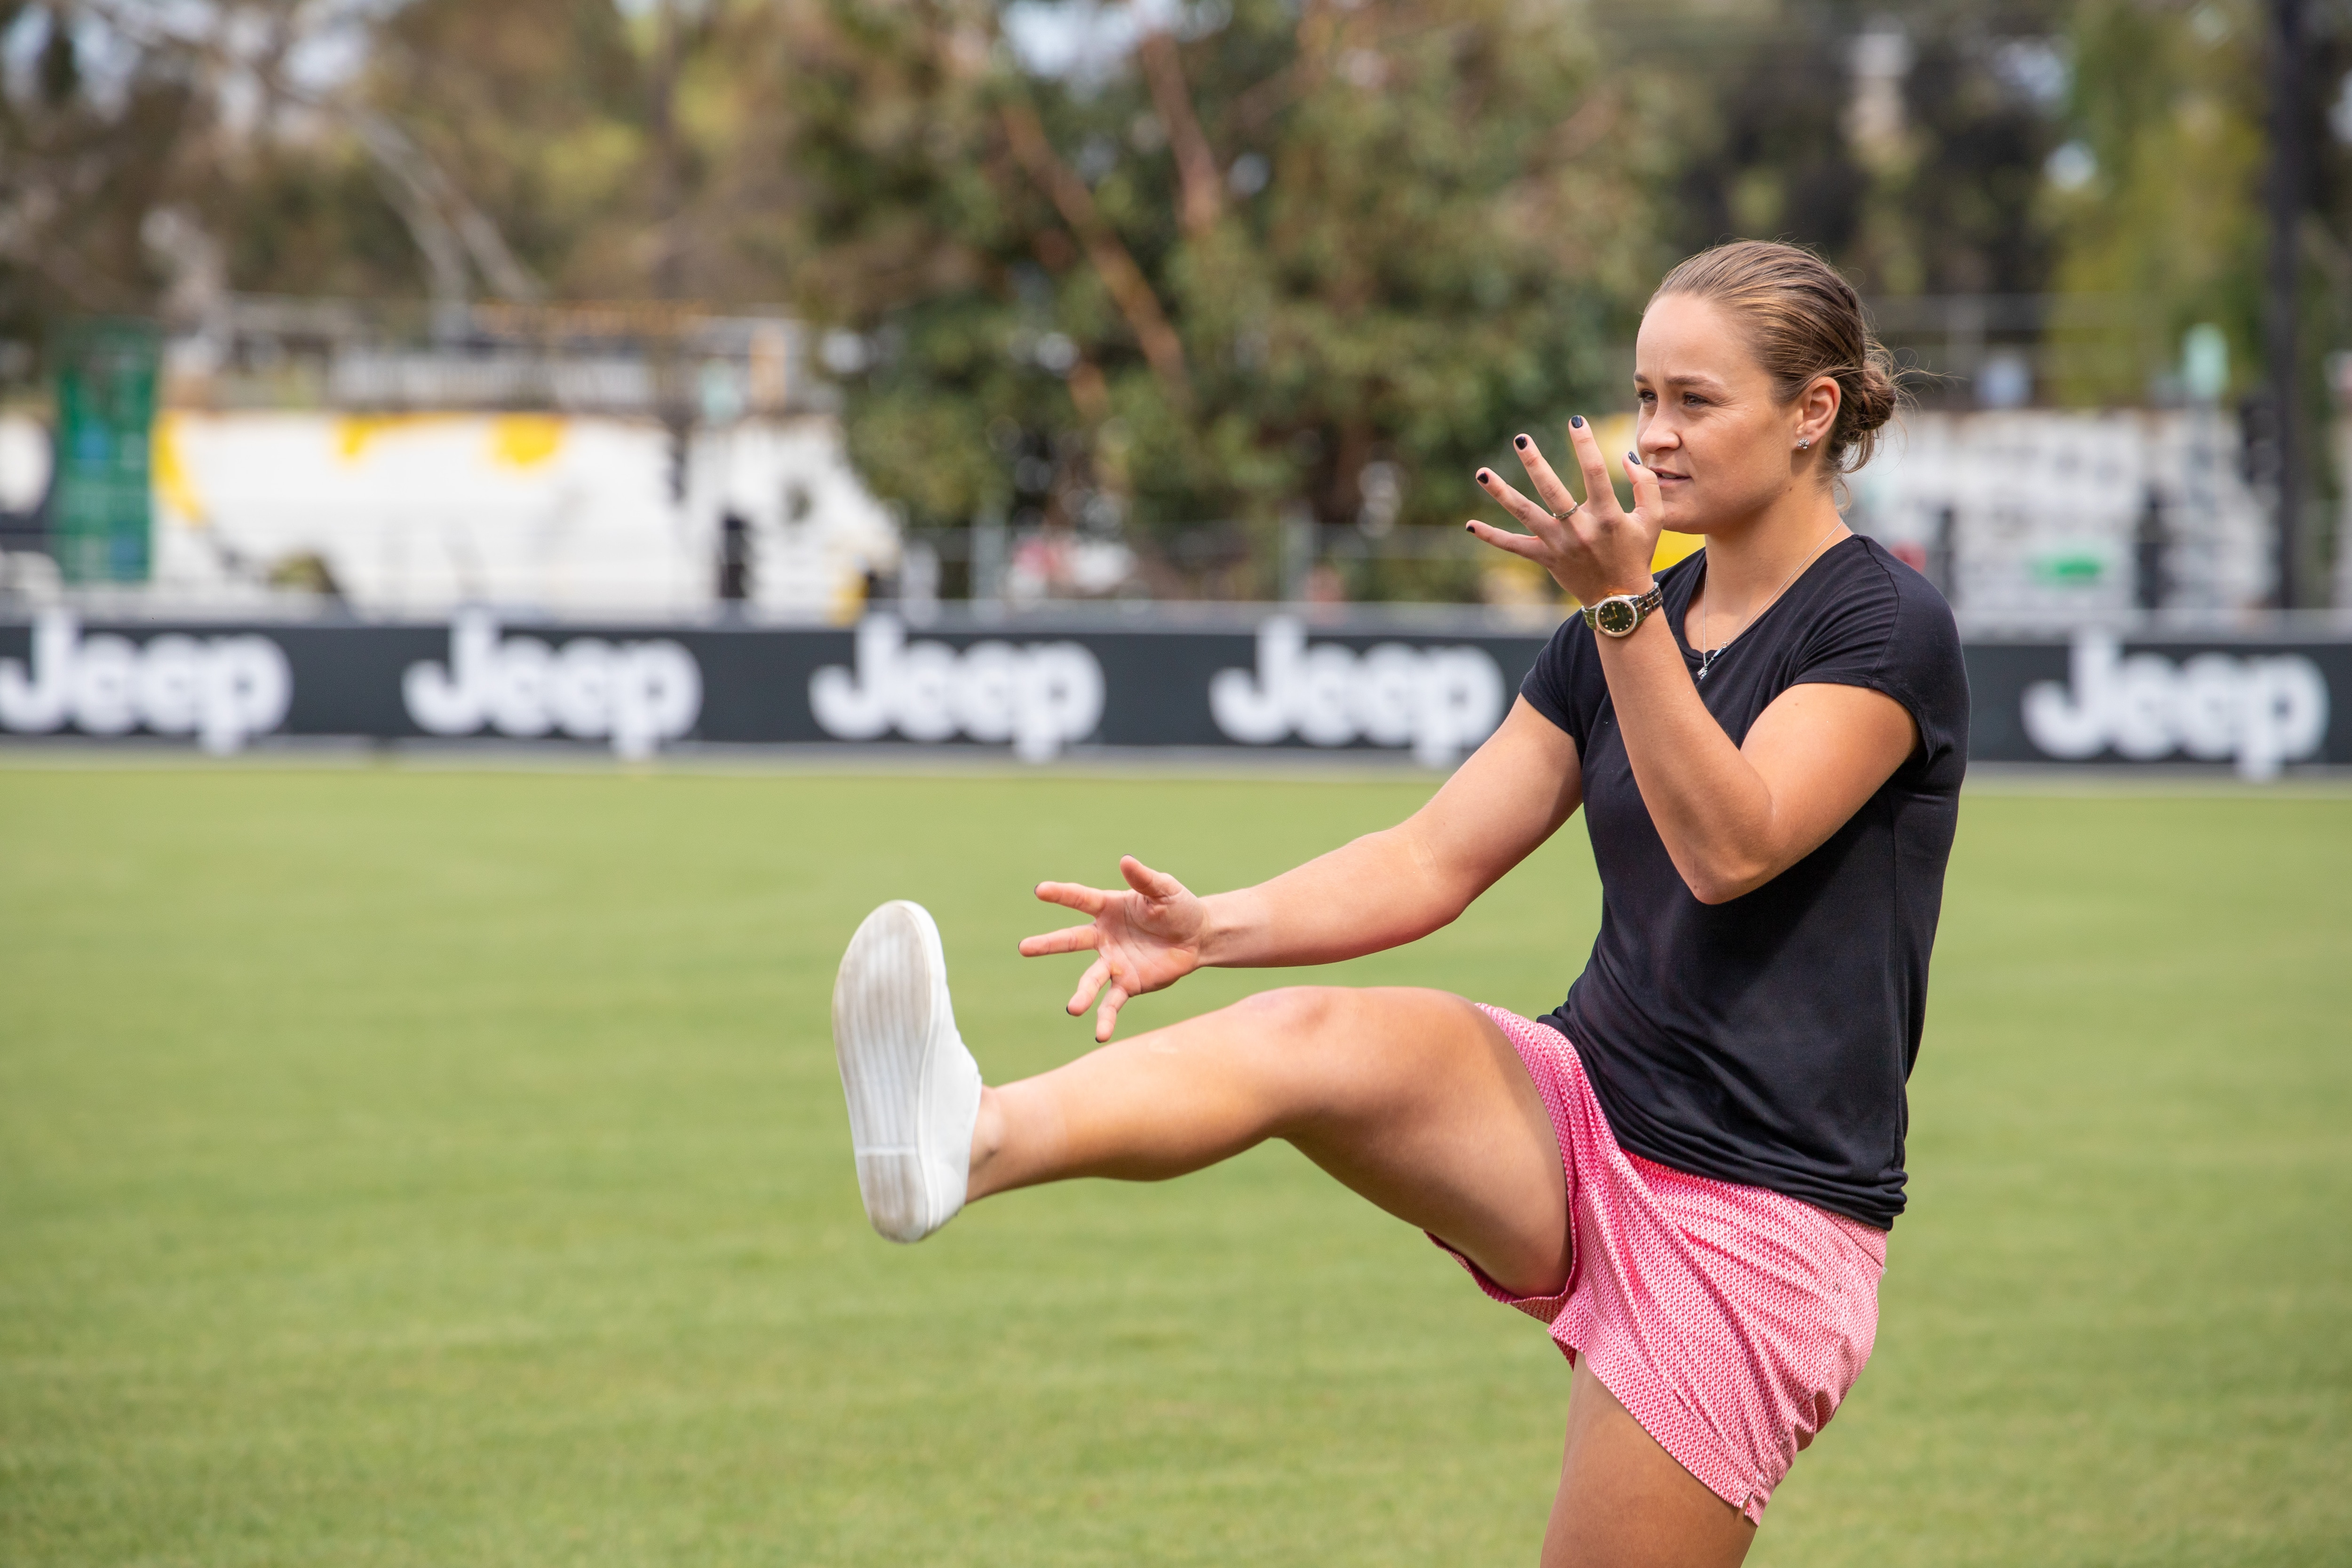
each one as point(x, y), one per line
point(1687, 1169)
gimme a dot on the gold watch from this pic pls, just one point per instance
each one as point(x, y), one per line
point(1620, 614)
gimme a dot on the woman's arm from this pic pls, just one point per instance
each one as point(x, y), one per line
point(1736, 817)
point(1732, 817)
point(1396, 885)
point(1379, 891)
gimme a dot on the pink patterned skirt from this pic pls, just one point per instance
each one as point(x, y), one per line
point(1729, 1319)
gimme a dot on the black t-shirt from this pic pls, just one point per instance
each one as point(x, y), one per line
point(1767, 1041)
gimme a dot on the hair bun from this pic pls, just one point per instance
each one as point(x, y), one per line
point(1869, 397)
point(1872, 392)
point(1804, 321)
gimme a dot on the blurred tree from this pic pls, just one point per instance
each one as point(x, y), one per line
point(2159, 192)
point(1219, 274)
point(146, 149)
point(2159, 197)
point(83, 160)
point(1954, 207)
point(1132, 270)
point(1905, 143)
point(538, 109)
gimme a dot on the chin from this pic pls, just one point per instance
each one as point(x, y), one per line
point(1682, 516)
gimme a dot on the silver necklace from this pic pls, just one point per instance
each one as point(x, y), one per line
point(1706, 654)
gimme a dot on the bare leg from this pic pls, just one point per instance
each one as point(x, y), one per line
point(1415, 1100)
point(1624, 1502)
point(1411, 1098)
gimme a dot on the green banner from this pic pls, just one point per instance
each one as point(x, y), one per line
point(101, 520)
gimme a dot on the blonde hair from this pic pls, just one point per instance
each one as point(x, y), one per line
point(1803, 321)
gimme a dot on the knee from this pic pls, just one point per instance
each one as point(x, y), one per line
point(1297, 1013)
point(1304, 1037)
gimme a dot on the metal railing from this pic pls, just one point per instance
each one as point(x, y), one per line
point(672, 360)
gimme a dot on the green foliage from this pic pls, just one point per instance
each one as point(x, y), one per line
point(424, 1168)
point(2172, 103)
point(1416, 234)
point(540, 105)
point(314, 221)
point(1463, 207)
point(2169, 102)
point(1765, 143)
point(1214, 276)
point(79, 175)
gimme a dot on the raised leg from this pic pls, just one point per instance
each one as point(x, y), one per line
point(1411, 1098)
point(1414, 1100)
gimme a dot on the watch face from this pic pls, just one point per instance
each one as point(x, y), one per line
point(1615, 616)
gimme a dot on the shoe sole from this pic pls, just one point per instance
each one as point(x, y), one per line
point(886, 1006)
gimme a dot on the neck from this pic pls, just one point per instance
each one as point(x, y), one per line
point(1750, 560)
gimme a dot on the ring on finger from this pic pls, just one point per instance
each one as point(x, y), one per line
point(1564, 516)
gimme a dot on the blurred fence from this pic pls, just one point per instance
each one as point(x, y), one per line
point(640, 358)
point(642, 460)
point(1230, 679)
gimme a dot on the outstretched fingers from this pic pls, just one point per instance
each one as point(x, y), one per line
point(1554, 494)
point(1645, 486)
point(1070, 938)
point(1525, 544)
point(1073, 896)
point(1088, 984)
point(1107, 1015)
point(1151, 884)
point(1538, 520)
point(1100, 977)
point(1599, 489)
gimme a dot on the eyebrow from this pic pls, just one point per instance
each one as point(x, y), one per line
point(1708, 382)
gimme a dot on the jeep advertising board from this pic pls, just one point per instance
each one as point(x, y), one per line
point(2254, 704)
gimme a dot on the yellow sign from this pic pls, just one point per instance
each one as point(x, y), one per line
point(525, 440)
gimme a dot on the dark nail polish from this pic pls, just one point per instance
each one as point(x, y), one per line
point(1467, 529)
point(1576, 421)
point(1483, 476)
point(1520, 442)
point(1633, 460)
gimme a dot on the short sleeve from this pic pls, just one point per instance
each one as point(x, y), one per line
point(1895, 634)
point(1553, 682)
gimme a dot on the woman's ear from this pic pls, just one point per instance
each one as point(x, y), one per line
point(1817, 411)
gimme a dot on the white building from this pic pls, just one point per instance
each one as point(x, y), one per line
point(2054, 516)
point(413, 513)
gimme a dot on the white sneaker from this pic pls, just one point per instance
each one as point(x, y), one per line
point(913, 1089)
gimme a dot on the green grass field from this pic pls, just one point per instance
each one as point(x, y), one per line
point(400, 1167)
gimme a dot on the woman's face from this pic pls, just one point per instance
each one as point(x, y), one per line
point(1722, 449)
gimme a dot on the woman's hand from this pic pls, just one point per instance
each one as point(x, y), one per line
point(1143, 940)
point(1594, 549)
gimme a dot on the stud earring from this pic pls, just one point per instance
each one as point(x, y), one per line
point(1805, 443)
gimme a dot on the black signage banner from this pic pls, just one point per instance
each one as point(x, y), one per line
point(1040, 690)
